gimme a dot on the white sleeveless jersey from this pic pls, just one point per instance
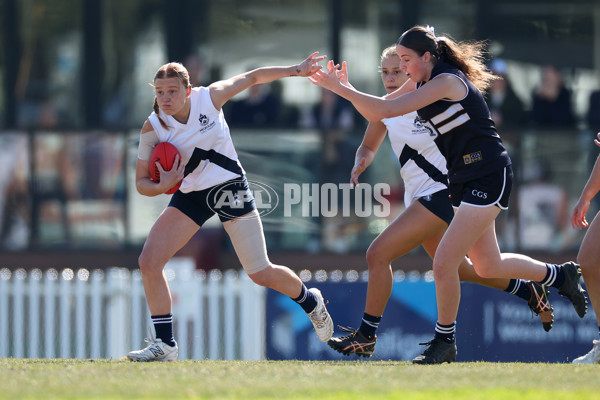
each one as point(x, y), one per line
point(422, 166)
point(206, 132)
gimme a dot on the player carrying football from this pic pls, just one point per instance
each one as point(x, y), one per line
point(192, 119)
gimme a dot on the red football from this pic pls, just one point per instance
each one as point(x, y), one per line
point(164, 153)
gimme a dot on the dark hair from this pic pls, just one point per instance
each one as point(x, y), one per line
point(170, 70)
point(469, 57)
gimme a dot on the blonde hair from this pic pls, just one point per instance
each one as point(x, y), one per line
point(389, 52)
point(170, 70)
point(469, 57)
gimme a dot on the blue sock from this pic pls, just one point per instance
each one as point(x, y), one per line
point(445, 332)
point(519, 288)
point(307, 300)
point(555, 276)
point(163, 325)
point(369, 326)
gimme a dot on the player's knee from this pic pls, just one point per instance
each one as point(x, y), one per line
point(371, 256)
point(442, 271)
point(375, 258)
point(148, 264)
point(486, 271)
point(262, 276)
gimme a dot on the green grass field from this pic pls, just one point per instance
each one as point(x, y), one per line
point(108, 379)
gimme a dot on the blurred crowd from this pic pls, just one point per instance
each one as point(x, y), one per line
point(542, 202)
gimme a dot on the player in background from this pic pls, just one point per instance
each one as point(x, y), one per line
point(589, 252)
point(192, 119)
point(448, 77)
point(424, 221)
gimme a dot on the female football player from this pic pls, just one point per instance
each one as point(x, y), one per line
point(192, 119)
point(427, 215)
point(446, 80)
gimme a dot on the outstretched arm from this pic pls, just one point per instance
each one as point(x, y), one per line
point(374, 108)
point(224, 90)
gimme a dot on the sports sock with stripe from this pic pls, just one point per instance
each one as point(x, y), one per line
point(519, 288)
point(307, 300)
point(163, 326)
point(369, 326)
point(445, 332)
point(555, 276)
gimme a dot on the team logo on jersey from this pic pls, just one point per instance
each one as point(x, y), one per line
point(418, 122)
point(203, 120)
point(472, 158)
point(205, 123)
point(421, 126)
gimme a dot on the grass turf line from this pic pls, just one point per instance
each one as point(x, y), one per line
point(108, 379)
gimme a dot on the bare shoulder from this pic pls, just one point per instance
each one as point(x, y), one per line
point(453, 86)
point(147, 127)
point(448, 80)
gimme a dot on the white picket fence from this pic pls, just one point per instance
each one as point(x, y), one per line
point(103, 313)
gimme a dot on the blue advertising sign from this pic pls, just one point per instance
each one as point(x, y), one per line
point(495, 326)
point(492, 325)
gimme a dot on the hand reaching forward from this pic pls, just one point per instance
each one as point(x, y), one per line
point(332, 79)
point(309, 66)
point(342, 75)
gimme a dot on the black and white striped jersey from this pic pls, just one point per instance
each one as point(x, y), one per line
point(466, 134)
point(203, 141)
point(422, 166)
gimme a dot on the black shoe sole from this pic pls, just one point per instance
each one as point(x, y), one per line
point(448, 360)
point(435, 355)
point(348, 353)
point(579, 305)
point(547, 326)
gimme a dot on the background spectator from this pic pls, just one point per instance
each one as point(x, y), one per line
point(330, 113)
point(198, 73)
point(335, 118)
point(262, 108)
point(593, 113)
point(552, 104)
point(506, 107)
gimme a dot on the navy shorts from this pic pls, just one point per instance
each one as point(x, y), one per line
point(229, 200)
point(489, 190)
point(439, 204)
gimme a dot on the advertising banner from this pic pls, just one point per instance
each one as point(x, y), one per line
point(492, 325)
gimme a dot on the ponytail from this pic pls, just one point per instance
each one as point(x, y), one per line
point(469, 57)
